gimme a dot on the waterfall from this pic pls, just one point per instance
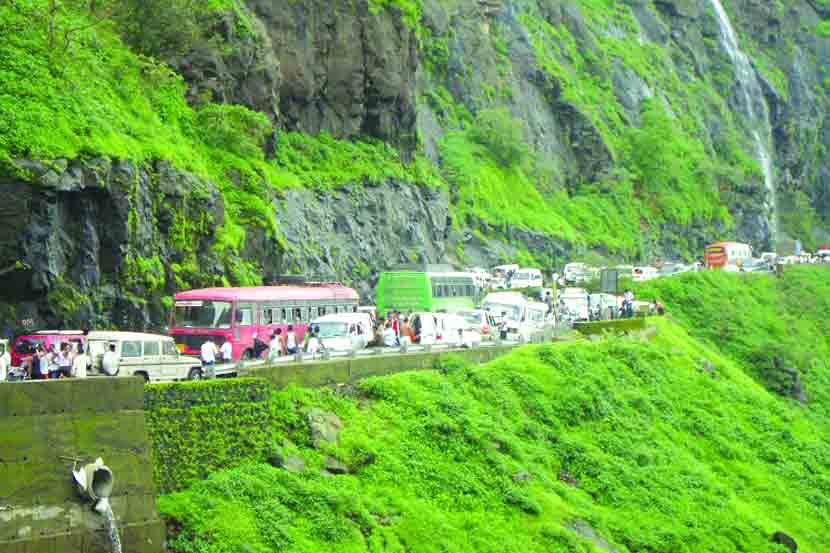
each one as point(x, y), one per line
point(754, 106)
point(105, 509)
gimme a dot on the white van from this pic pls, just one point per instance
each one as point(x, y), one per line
point(458, 331)
point(153, 357)
point(575, 273)
point(527, 278)
point(642, 274)
point(523, 316)
point(573, 303)
point(506, 305)
point(344, 331)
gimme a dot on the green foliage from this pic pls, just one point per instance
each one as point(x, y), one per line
point(322, 161)
point(234, 129)
point(198, 428)
point(140, 273)
point(410, 10)
point(670, 171)
point(484, 189)
point(756, 318)
point(163, 28)
point(633, 438)
point(66, 300)
point(823, 29)
point(502, 135)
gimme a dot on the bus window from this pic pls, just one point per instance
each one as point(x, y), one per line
point(268, 316)
point(283, 316)
point(298, 315)
point(321, 311)
point(245, 314)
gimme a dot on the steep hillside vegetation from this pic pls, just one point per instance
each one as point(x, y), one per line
point(776, 329)
point(660, 446)
point(147, 147)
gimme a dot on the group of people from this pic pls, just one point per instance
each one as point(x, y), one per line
point(49, 363)
point(288, 344)
point(389, 332)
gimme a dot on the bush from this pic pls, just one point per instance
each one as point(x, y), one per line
point(500, 133)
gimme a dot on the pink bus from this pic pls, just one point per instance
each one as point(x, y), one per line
point(236, 314)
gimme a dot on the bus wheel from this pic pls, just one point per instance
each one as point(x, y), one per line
point(143, 376)
point(194, 374)
point(247, 355)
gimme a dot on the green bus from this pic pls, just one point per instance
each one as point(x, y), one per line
point(409, 291)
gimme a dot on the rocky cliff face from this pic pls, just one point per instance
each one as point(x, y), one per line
point(103, 240)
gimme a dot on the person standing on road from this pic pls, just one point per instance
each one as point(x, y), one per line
point(80, 364)
point(276, 347)
point(209, 351)
point(313, 343)
point(36, 363)
point(61, 365)
point(291, 341)
point(389, 338)
point(109, 365)
point(503, 326)
point(5, 364)
point(226, 351)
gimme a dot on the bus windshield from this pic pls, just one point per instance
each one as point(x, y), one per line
point(203, 314)
point(332, 329)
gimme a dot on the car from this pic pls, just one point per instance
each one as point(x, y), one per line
point(153, 357)
point(575, 273)
point(671, 269)
point(457, 331)
point(603, 306)
point(344, 331)
point(573, 303)
point(526, 278)
point(481, 319)
point(756, 266)
point(24, 346)
point(642, 274)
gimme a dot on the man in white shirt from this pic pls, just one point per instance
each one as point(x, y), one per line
point(226, 351)
point(80, 363)
point(5, 363)
point(209, 351)
point(313, 344)
point(110, 362)
point(390, 339)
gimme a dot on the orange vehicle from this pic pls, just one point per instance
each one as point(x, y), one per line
point(727, 256)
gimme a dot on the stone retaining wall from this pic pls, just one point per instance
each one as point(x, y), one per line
point(40, 509)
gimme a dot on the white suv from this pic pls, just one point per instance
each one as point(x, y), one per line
point(153, 357)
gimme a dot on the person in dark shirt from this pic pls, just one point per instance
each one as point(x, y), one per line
point(36, 364)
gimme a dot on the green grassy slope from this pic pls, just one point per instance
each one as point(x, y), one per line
point(639, 440)
point(755, 318)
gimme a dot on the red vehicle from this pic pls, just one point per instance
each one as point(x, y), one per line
point(728, 256)
point(237, 314)
point(24, 346)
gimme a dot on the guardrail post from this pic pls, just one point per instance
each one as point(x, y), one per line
point(298, 357)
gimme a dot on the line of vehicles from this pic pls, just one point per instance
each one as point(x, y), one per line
point(440, 306)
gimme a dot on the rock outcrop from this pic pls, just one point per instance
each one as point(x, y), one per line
point(107, 241)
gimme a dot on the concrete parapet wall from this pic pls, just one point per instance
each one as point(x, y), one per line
point(40, 509)
point(347, 370)
point(619, 326)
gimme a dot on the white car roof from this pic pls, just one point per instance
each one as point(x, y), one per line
point(115, 336)
point(509, 298)
point(342, 318)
